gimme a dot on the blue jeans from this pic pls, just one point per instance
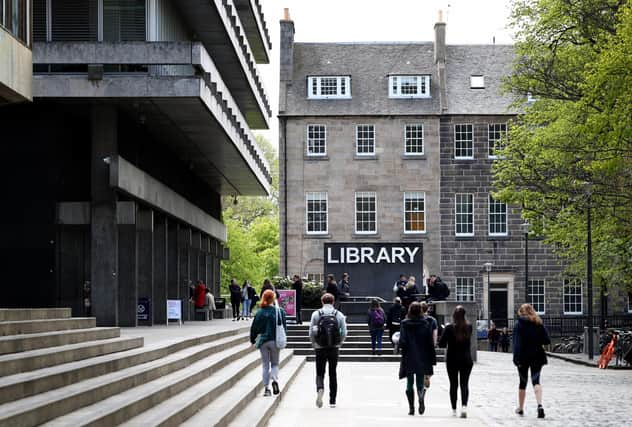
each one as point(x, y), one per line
point(245, 308)
point(376, 337)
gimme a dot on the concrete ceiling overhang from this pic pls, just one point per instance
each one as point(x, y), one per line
point(251, 16)
point(217, 25)
point(193, 114)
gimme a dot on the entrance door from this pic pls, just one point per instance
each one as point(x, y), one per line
point(498, 311)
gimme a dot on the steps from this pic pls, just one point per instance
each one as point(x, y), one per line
point(356, 348)
point(92, 377)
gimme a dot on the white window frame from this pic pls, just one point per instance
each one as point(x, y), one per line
point(340, 81)
point(471, 141)
point(569, 282)
point(456, 214)
point(307, 140)
point(492, 142)
point(542, 295)
point(477, 81)
point(490, 202)
point(409, 195)
point(421, 82)
point(355, 200)
point(316, 277)
point(367, 139)
point(423, 142)
point(313, 194)
point(465, 289)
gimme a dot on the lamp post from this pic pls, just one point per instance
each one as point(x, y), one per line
point(525, 229)
point(488, 268)
point(589, 287)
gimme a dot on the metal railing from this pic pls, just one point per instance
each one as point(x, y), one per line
point(563, 326)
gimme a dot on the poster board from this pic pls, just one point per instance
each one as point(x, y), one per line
point(174, 310)
point(287, 301)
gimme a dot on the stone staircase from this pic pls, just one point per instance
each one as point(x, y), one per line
point(61, 371)
point(356, 348)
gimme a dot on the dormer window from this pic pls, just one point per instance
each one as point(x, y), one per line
point(477, 82)
point(329, 87)
point(409, 86)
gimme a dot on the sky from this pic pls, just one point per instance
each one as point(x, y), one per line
point(468, 22)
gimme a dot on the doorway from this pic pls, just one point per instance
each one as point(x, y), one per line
point(498, 307)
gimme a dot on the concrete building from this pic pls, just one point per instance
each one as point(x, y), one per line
point(16, 65)
point(141, 120)
point(393, 143)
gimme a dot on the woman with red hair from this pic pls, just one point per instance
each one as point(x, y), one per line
point(263, 334)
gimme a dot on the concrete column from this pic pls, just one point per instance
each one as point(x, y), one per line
point(160, 269)
point(145, 233)
point(128, 264)
point(195, 255)
point(104, 231)
point(206, 249)
point(173, 261)
point(184, 249)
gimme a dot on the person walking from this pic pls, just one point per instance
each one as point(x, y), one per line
point(504, 340)
point(376, 319)
point(493, 336)
point(529, 335)
point(394, 318)
point(332, 288)
point(297, 285)
point(418, 355)
point(435, 331)
point(458, 360)
point(235, 298)
point(263, 335)
point(344, 287)
point(245, 301)
point(327, 332)
point(267, 285)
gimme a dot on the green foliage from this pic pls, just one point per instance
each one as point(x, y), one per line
point(573, 147)
point(253, 231)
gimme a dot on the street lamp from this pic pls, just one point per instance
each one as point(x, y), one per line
point(525, 226)
point(488, 268)
point(589, 274)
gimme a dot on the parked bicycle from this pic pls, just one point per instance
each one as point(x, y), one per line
point(573, 344)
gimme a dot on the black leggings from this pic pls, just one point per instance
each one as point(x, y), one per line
point(459, 375)
point(523, 372)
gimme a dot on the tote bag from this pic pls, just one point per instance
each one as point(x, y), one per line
point(281, 338)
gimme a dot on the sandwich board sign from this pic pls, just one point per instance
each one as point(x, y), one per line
point(174, 310)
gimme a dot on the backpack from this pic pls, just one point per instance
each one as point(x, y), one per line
point(377, 318)
point(328, 330)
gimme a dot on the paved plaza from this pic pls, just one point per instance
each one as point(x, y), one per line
point(371, 395)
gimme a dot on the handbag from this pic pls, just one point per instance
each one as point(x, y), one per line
point(281, 337)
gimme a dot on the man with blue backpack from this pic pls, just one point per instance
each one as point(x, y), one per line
point(327, 332)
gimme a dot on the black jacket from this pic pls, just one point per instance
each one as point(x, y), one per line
point(528, 339)
point(395, 315)
point(438, 291)
point(235, 292)
point(298, 287)
point(459, 352)
point(332, 288)
point(418, 352)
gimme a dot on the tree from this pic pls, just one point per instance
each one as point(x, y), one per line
point(253, 230)
point(573, 146)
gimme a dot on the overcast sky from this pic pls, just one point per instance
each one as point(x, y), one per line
point(468, 22)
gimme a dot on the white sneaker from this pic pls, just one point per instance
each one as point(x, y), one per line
point(454, 413)
point(464, 412)
point(319, 398)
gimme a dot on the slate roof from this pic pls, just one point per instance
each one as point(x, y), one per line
point(370, 64)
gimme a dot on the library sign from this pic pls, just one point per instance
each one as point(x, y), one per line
point(374, 267)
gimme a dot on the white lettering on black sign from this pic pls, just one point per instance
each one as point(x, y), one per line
point(365, 255)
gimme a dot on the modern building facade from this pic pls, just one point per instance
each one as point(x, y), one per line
point(141, 120)
point(16, 65)
point(393, 143)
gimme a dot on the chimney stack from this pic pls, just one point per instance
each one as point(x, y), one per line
point(439, 41)
point(286, 56)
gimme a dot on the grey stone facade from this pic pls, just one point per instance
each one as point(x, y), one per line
point(389, 173)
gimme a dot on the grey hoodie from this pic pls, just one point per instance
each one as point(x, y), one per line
point(313, 326)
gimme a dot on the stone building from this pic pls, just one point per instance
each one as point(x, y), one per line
point(141, 120)
point(393, 143)
point(16, 66)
